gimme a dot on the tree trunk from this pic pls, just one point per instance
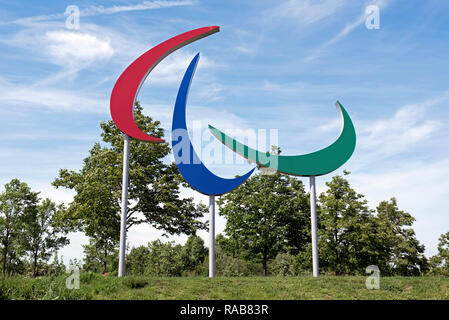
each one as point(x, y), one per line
point(5, 254)
point(105, 264)
point(4, 260)
point(265, 271)
point(9, 272)
point(35, 265)
point(337, 255)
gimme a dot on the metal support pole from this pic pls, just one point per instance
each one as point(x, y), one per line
point(122, 255)
point(212, 236)
point(313, 219)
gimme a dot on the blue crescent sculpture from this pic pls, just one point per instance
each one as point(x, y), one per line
point(188, 162)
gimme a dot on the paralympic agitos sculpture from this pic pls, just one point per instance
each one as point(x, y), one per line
point(189, 164)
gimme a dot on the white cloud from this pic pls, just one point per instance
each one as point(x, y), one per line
point(308, 11)
point(219, 117)
point(71, 49)
point(397, 134)
point(23, 96)
point(100, 10)
point(291, 88)
point(74, 50)
point(57, 195)
point(95, 46)
point(331, 125)
point(245, 49)
point(346, 30)
point(145, 5)
point(350, 27)
point(74, 250)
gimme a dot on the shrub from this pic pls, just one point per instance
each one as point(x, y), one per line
point(41, 288)
point(134, 282)
point(229, 266)
point(282, 265)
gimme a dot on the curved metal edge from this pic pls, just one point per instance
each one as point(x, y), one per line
point(225, 139)
point(199, 169)
point(126, 123)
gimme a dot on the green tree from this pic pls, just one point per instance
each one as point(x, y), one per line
point(283, 265)
point(193, 253)
point(168, 259)
point(56, 268)
point(227, 265)
point(100, 255)
point(347, 229)
point(42, 234)
point(440, 262)
point(405, 253)
point(264, 216)
point(164, 259)
point(156, 259)
point(153, 186)
point(15, 202)
point(137, 259)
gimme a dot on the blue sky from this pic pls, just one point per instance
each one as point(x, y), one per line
point(273, 65)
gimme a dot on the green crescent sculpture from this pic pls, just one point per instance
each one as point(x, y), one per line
point(313, 164)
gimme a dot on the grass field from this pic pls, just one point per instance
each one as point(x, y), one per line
point(93, 286)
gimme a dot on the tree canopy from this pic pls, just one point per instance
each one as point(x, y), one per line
point(264, 216)
point(439, 263)
point(267, 220)
point(28, 227)
point(154, 186)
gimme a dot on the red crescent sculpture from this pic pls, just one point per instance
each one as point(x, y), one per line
point(127, 87)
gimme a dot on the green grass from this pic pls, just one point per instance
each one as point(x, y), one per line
point(93, 286)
